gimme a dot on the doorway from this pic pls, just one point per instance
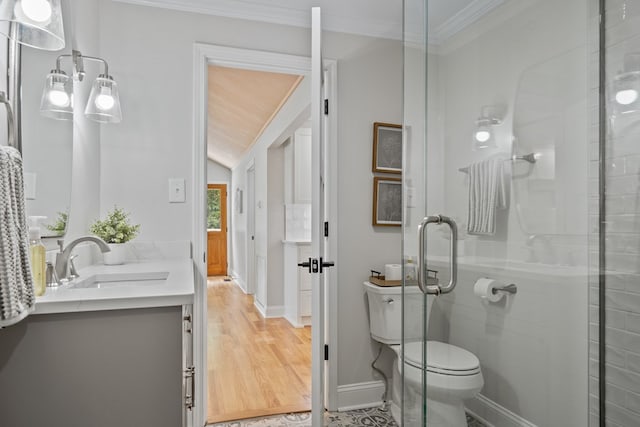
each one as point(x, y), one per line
point(217, 230)
point(206, 55)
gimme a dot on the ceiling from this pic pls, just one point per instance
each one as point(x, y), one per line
point(241, 104)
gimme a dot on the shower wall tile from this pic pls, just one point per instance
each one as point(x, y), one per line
point(615, 394)
point(633, 324)
point(623, 378)
point(616, 356)
point(623, 301)
point(621, 415)
point(633, 404)
point(633, 363)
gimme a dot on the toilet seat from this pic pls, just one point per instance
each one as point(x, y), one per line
point(442, 358)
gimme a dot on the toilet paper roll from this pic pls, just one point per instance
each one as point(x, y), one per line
point(484, 289)
point(393, 272)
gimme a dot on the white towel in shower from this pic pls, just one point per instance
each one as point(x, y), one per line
point(17, 298)
point(486, 195)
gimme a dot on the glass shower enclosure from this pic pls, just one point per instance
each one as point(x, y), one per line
point(522, 132)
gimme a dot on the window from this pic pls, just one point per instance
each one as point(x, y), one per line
point(213, 209)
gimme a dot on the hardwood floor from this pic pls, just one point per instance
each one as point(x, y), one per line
point(256, 366)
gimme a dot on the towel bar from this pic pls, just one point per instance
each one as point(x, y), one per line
point(11, 125)
point(531, 158)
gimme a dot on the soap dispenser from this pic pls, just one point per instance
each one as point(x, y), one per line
point(410, 270)
point(37, 255)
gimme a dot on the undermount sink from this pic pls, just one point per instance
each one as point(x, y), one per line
point(112, 280)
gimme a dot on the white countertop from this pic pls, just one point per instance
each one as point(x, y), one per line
point(177, 289)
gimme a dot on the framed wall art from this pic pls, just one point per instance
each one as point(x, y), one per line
point(387, 148)
point(387, 201)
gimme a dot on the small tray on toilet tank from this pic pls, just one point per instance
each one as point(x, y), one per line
point(380, 281)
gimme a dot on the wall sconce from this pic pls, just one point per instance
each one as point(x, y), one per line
point(57, 98)
point(35, 23)
point(626, 85)
point(483, 135)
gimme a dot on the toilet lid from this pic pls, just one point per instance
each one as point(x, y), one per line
point(442, 358)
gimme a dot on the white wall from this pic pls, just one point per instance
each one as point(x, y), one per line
point(275, 221)
point(150, 55)
point(217, 173)
point(85, 188)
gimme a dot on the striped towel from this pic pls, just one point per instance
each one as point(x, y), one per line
point(486, 195)
point(17, 297)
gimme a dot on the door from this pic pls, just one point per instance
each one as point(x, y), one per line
point(217, 230)
point(318, 263)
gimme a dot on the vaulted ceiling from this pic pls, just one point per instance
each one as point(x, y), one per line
point(241, 104)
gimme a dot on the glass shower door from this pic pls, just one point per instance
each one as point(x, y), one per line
point(496, 141)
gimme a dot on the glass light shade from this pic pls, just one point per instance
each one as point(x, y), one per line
point(57, 96)
point(35, 23)
point(626, 92)
point(483, 136)
point(104, 102)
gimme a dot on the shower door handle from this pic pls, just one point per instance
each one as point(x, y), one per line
point(422, 255)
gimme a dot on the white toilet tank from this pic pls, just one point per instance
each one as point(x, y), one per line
point(385, 312)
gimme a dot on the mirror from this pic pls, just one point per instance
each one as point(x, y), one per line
point(46, 148)
point(550, 120)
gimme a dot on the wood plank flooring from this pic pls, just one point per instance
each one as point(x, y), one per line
point(256, 366)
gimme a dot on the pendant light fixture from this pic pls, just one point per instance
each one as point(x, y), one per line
point(57, 99)
point(35, 23)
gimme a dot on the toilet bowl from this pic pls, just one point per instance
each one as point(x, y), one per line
point(452, 373)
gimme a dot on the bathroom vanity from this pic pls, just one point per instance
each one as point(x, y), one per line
point(104, 354)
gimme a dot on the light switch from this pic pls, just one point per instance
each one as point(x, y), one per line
point(176, 190)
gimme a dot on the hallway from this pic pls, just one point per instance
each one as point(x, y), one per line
point(256, 366)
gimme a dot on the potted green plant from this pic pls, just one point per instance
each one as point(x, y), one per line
point(116, 229)
point(59, 227)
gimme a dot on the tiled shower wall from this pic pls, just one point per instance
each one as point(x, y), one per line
point(622, 253)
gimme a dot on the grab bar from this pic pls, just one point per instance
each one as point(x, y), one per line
point(10, 123)
point(436, 289)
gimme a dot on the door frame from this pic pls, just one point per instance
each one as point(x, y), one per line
point(250, 255)
point(228, 222)
point(203, 56)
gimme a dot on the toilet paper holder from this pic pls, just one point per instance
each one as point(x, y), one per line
point(512, 289)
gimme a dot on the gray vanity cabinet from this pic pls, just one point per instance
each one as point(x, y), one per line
point(124, 368)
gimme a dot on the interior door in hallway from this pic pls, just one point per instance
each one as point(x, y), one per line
point(217, 230)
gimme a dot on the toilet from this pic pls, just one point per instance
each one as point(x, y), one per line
point(452, 374)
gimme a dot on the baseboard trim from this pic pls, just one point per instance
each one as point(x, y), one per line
point(238, 280)
point(275, 311)
point(493, 414)
point(360, 395)
point(260, 308)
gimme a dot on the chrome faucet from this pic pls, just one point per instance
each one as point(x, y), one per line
point(64, 256)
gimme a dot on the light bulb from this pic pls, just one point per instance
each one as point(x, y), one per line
point(626, 96)
point(35, 10)
point(482, 135)
point(58, 96)
point(105, 100)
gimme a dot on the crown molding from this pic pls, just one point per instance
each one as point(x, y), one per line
point(248, 10)
point(461, 20)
